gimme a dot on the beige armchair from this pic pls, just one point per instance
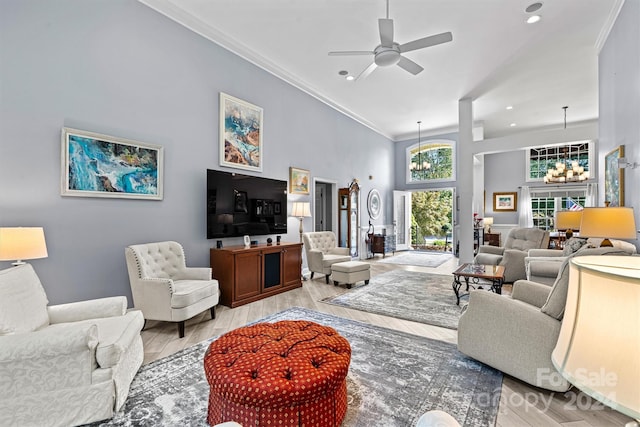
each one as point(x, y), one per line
point(514, 251)
point(322, 250)
point(67, 364)
point(164, 288)
point(517, 334)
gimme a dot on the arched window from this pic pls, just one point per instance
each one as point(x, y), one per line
point(432, 161)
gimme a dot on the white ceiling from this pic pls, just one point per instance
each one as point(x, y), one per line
point(495, 57)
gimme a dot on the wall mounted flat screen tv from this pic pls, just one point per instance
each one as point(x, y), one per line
point(239, 205)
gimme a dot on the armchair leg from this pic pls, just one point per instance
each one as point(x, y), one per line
point(213, 312)
point(312, 275)
point(181, 329)
point(326, 279)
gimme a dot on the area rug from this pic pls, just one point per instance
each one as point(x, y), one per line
point(410, 295)
point(418, 258)
point(394, 378)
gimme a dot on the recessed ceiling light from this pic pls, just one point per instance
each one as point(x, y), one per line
point(350, 78)
point(533, 7)
point(533, 19)
point(509, 107)
point(513, 125)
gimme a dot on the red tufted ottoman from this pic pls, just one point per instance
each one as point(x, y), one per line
point(288, 373)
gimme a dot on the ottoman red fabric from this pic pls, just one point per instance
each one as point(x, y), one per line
point(288, 373)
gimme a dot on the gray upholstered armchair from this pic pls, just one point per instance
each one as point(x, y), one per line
point(322, 250)
point(66, 364)
point(514, 251)
point(517, 334)
point(164, 288)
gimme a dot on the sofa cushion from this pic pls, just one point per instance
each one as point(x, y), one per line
point(189, 292)
point(23, 302)
point(557, 299)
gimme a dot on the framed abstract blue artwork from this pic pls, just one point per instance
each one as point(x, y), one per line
point(240, 134)
point(95, 165)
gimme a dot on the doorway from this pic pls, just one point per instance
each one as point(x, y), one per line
point(432, 219)
point(323, 214)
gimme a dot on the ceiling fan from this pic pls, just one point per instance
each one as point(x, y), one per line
point(388, 52)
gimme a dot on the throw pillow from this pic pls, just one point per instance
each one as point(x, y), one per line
point(572, 245)
point(23, 303)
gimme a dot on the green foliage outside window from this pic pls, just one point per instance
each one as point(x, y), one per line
point(439, 157)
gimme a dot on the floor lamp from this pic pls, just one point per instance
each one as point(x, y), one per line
point(598, 349)
point(301, 210)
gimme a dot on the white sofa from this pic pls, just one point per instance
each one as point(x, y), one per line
point(322, 251)
point(67, 364)
point(164, 288)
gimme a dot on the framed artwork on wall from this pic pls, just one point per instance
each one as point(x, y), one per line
point(298, 181)
point(240, 134)
point(613, 178)
point(505, 202)
point(96, 165)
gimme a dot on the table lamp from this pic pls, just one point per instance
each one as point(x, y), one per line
point(301, 210)
point(598, 349)
point(615, 222)
point(488, 222)
point(20, 243)
point(569, 221)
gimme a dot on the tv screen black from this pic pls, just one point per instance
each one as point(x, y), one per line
point(239, 205)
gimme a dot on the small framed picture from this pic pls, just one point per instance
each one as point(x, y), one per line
point(505, 202)
point(614, 178)
point(298, 181)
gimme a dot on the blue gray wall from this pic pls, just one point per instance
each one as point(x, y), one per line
point(119, 68)
point(619, 97)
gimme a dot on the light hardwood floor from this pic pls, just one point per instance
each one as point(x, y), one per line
point(520, 404)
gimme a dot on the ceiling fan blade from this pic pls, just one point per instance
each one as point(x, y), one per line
point(351, 52)
point(426, 42)
point(386, 32)
point(409, 65)
point(367, 71)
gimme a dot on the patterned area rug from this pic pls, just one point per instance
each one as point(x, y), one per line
point(410, 295)
point(394, 378)
point(419, 258)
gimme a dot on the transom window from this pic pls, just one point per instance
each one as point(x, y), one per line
point(541, 159)
point(432, 160)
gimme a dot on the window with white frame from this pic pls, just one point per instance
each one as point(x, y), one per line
point(546, 202)
point(540, 159)
point(431, 161)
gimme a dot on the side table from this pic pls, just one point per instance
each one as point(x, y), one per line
point(475, 272)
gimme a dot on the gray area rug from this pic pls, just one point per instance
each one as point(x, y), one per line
point(394, 378)
point(418, 258)
point(410, 295)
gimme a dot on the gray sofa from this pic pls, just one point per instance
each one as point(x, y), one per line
point(519, 241)
point(542, 265)
point(517, 334)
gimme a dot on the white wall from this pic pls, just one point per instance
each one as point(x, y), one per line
point(119, 68)
point(619, 98)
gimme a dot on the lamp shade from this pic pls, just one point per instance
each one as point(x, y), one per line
point(19, 243)
point(301, 209)
point(598, 349)
point(488, 220)
point(568, 220)
point(614, 222)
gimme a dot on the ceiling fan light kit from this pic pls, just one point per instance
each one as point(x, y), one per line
point(388, 52)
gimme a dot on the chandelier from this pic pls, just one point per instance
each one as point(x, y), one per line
point(561, 174)
point(420, 165)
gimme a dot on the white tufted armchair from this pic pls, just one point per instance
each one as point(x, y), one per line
point(322, 251)
point(164, 288)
